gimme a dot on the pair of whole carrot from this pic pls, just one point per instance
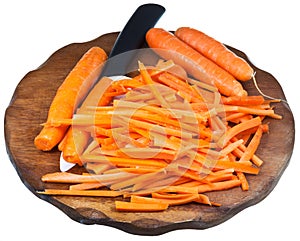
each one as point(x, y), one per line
point(203, 57)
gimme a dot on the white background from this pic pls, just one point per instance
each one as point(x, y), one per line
point(268, 31)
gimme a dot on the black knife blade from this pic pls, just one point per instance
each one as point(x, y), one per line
point(131, 37)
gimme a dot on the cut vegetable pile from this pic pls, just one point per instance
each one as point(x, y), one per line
point(168, 136)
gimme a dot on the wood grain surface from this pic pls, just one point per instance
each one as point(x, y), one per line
point(28, 109)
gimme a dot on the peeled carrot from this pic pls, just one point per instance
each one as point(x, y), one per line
point(169, 46)
point(69, 95)
point(77, 139)
point(217, 52)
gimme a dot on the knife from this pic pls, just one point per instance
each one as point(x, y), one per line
point(130, 38)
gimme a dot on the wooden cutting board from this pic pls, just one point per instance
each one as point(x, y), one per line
point(29, 107)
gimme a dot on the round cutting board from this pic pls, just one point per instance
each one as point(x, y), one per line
point(29, 107)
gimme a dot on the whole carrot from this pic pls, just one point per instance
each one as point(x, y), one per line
point(169, 46)
point(216, 51)
point(76, 139)
point(69, 95)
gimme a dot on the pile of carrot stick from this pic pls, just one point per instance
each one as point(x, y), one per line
point(168, 136)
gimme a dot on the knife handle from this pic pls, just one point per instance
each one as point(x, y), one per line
point(132, 37)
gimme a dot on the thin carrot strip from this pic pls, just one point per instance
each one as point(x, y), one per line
point(249, 110)
point(253, 145)
point(201, 197)
point(65, 177)
point(237, 166)
point(244, 183)
point(135, 170)
point(160, 181)
point(243, 100)
point(97, 168)
point(169, 195)
point(233, 116)
point(123, 161)
point(140, 207)
point(202, 86)
point(239, 152)
point(230, 147)
point(91, 193)
point(148, 80)
point(85, 186)
point(134, 180)
point(237, 129)
point(218, 178)
point(159, 129)
point(170, 202)
point(179, 85)
point(179, 189)
point(218, 186)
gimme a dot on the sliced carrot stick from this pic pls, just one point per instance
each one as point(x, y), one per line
point(230, 147)
point(66, 177)
point(254, 111)
point(218, 178)
point(201, 197)
point(170, 202)
point(218, 186)
point(85, 186)
point(195, 63)
point(244, 183)
point(243, 100)
point(237, 129)
point(140, 207)
point(179, 189)
point(69, 95)
point(237, 166)
point(148, 80)
point(253, 145)
point(234, 116)
point(239, 152)
point(91, 193)
point(179, 85)
point(156, 128)
point(123, 161)
point(164, 195)
point(158, 182)
point(136, 179)
point(216, 51)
